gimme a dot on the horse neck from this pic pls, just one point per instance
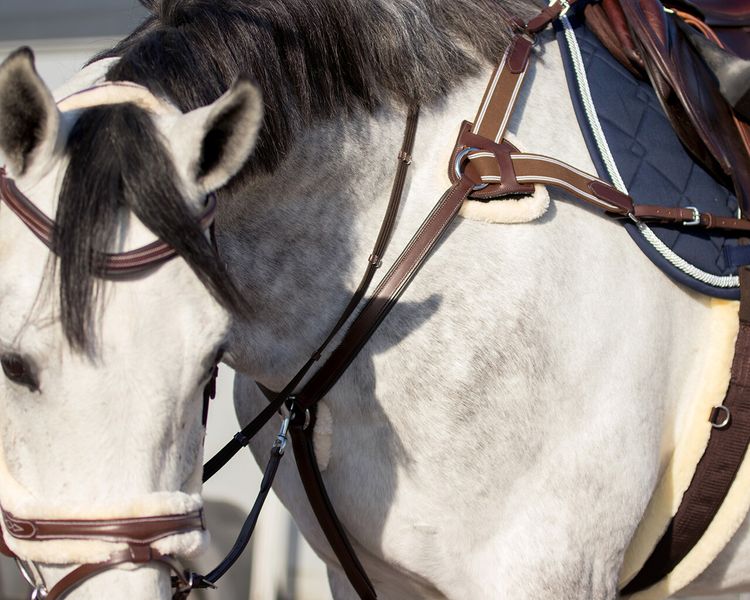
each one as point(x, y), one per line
point(297, 241)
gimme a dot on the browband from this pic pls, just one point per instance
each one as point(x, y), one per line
point(116, 92)
point(120, 264)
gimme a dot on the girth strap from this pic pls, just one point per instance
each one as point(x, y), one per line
point(717, 468)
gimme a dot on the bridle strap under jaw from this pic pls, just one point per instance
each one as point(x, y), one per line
point(113, 265)
point(138, 555)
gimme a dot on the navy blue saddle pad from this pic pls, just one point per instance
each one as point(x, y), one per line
point(632, 143)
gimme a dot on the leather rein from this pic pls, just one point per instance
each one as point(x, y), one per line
point(483, 166)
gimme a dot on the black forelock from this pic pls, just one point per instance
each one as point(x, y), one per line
point(117, 161)
point(312, 59)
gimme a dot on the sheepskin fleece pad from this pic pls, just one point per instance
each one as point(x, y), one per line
point(24, 505)
point(710, 390)
point(512, 209)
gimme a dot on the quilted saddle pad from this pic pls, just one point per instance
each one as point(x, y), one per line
point(634, 147)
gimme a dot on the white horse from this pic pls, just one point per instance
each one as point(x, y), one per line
point(501, 434)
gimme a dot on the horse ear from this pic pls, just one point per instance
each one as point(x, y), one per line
point(29, 119)
point(228, 129)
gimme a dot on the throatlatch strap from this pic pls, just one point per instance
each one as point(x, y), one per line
point(717, 468)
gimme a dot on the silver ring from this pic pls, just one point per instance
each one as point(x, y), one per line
point(457, 166)
point(725, 421)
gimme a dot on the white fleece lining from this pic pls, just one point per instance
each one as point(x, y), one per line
point(24, 505)
point(710, 391)
point(508, 210)
point(116, 93)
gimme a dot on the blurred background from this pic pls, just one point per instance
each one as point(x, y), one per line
point(279, 565)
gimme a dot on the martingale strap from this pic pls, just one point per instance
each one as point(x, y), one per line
point(374, 262)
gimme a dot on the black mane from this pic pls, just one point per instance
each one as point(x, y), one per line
point(312, 59)
point(119, 161)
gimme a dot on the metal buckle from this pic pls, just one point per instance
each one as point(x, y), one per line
point(39, 591)
point(696, 220)
point(279, 444)
point(459, 162)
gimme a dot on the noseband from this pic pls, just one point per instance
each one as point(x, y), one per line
point(137, 534)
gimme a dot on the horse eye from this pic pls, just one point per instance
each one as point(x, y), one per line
point(19, 371)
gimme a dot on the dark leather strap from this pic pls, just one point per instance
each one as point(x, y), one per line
point(312, 481)
point(303, 423)
point(132, 555)
point(143, 530)
point(387, 293)
point(374, 262)
point(115, 265)
point(717, 468)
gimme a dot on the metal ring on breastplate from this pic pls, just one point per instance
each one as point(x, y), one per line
point(459, 161)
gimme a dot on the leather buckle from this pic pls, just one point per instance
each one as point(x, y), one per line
point(696, 220)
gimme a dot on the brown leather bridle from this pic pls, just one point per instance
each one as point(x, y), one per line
point(483, 166)
point(115, 265)
point(137, 534)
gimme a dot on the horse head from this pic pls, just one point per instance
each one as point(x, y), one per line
point(105, 368)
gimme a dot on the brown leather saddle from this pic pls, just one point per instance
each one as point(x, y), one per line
point(697, 56)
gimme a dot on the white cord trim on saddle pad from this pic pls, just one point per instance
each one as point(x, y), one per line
point(726, 281)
